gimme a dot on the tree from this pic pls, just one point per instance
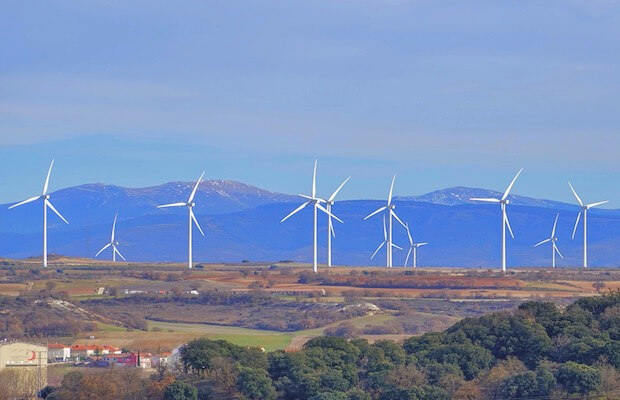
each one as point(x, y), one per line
point(254, 384)
point(598, 286)
point(180, 391)
point(578, 378)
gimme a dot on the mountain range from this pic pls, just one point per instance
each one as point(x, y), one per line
point(242, 222)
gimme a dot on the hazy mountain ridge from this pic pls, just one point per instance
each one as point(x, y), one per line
point(243, 222)
point(460, 195)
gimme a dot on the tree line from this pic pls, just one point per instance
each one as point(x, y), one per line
point(536, 352)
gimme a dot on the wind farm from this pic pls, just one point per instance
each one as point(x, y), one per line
point(310, 200)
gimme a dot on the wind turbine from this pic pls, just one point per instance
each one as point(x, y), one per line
point(46, 203)
point(553, 240)
point(192, 218)
point(330, 227)
point(389, 207)
point(584, 210)
point(385, 241)
point(114, 243)
point(412, 247)
point(316, 205)
point(503, 202)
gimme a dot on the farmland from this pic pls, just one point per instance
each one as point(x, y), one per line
point(157, 307)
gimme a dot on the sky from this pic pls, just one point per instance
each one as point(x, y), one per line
point(442, 93)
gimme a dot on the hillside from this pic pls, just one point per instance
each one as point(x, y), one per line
point(535, 352)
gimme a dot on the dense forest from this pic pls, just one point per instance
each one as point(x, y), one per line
point(535, 352)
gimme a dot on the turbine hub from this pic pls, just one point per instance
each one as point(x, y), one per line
point(392, 206)
point(190, 205)
point(46, 196)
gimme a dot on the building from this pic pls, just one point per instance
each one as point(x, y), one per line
point(58, 352)
point(160, 359)
point(142, 360)
point(28, 361)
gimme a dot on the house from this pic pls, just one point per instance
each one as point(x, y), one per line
point(81, 351)
point(58, 352)
point(107, 349)
point(160, 359)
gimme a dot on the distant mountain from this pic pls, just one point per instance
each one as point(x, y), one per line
point(243, 222)
point(460, 195)
point(92, 204)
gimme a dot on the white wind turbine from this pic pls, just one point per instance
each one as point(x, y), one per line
point(46, 203)
point(390, 208)
point(584, 210)
point(192, 218)
point(114, 243)
point(316, 203)
point(503, 202)
point(330, 226)
point(553, 240)
point(412, 247)
point(385, 242)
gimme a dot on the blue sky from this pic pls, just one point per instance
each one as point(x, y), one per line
point(442, 93)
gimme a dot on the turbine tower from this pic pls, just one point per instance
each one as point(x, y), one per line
point(192, 218)
point(46, 204)
point(385, 241)
point(316, 205)
point(553, 240)
point(503, 202)
point(412, 247)
point(389, 207)
point(584, 210)
point(330, 226)
point(114, 243)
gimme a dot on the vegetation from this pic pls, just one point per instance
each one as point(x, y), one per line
point(537, 351)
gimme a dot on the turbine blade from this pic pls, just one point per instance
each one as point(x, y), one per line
point(505, 196)
point(333, 196)
point(376, 251)
point(486, 200)
point(305, 196)
point(422, 244)
point(21, 203)
point(320, 207)
point(391, 190)
point(331, 228)
point(113, 228)
point(196, 222)
point(558, 251)
point(314, 180)
point(295, 211)
point(508, 224)
point(576, 224)
point(409, 234)
point(384, 229)
point(51, 206)
point(576, 195)
point(119, 254)
point(407, 258)
point(397, 246)
point(47, 179)
point(172, 205)
point(377, 211)
point(542, 242)
point(555, 224)
point(191, 196)
point(597, 204)
point(397, 219)
point(103, 248)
